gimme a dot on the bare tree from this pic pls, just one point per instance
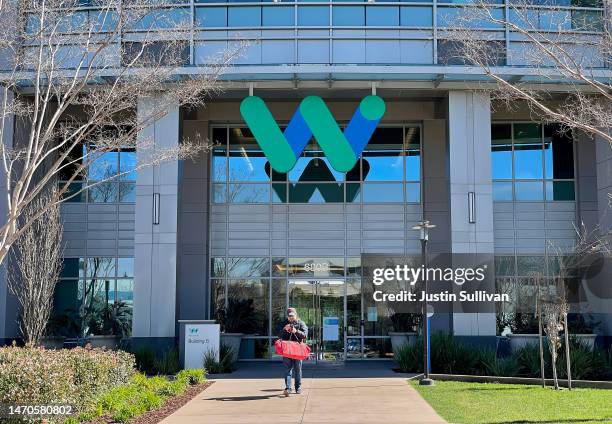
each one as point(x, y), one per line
point(571, 50)
point(75, 78)
point(36, 263)
point(554, 313)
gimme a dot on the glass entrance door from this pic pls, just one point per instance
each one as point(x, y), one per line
point(320, 304)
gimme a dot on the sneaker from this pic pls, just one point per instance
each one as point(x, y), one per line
point(298, 391)
point(286, 392)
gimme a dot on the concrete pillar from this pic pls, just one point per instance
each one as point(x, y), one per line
point(469, 147)
point(155, 245)
point(7, 318)
point(193, 294)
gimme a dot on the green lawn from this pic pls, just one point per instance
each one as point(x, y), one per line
point(509, 403)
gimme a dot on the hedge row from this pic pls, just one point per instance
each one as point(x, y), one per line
point(37, 376)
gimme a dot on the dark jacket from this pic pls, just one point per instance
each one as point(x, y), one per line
point(301, 331)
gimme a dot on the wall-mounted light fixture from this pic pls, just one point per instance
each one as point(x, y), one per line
point(156, 200)
point(472, 207)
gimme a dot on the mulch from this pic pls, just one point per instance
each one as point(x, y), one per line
point(171, 405)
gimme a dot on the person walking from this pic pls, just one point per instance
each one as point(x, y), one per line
point(296, 330)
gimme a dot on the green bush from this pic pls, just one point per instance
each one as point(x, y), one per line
point(501, 367)
point(166, 364)
point(142, 394)
point(225, 364)
point(409, 357)
point(66, 376)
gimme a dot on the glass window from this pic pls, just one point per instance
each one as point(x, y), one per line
point(525, 190)
point(501, 151)
point(527, 265)
point(217, 298)
point(249, 193)
point(504, 265)
point(217, 267)
point(104, 193)
point(74, 193)
point(413, 192)
point(383, 193)
point(126, 192)
point(279, 304)
point(278, 16)
point(416, 16)
point(348, 15)
point(127, 164)
point(209, 17)
point(384, 155)
point(413, 154)
point(587, 20)
point(244, 16)
point(279, 193)
point(246, 160)
point(100, 267)
point(465, 17)
point(163, 19)
point(73, 268)
point(313, 165)
point(219, 193)
point(528, 151)
point(103, 166)
point(254, 348)
point(247, 307)
point(125, 267)
point(313, 15)
point(502, 191)
point(65, 319)
point(382, 16)
point(248, 267)
point(219, 159)
point(316, 267)
point(451, 52)
point(73, 160)
point(316, 193)
point(558, 153)
point(560, 190)
point(353, 192)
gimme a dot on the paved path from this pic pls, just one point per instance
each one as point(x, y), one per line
point(359, 393)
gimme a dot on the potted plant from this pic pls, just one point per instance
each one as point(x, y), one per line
point(405, 327)
point(523, 329)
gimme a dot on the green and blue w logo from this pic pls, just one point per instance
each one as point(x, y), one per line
point(312, 118)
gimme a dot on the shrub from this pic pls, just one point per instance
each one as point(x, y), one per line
point(409, 357)
point(142, 394)
point(528, 360)
point(501, 367)
point(166, 364)
point(225, 364)
point(66, 376)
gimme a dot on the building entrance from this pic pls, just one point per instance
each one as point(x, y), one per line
point(320, 304)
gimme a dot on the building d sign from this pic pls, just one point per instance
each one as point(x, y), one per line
point(198, 339)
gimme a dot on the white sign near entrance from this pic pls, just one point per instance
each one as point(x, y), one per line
point(199, 339)
point(331, 329)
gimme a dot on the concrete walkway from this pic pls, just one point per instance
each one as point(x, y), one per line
point(353, 393)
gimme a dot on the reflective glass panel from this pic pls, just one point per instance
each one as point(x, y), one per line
point(246, 160)
point(313, 15)
point(529, 190)
point(348, 15)
point(127, 164)
point(413, 192)
point(383, 193)
point(127, 192)
point(247, 307)
point(219, 193)
point(244, 16)
point(502, 191)
point(384, 155)
point(249, 193)
point(560, 190)
point(104, 166)
point(316, 193)
point(353, 192)
point(528, 151)
point(251, 348)
point(279, 304)
point(316, 267)
point(558, 153)
point(100, 267)
point(125, 267)
point(501, 151)
point(353, 307)
point(210, 17)
point(416, 16)
point(104, 193)
point(278, 16)
point(217, 267)
point(413, 153)
point(248, 267)
point(382, 16)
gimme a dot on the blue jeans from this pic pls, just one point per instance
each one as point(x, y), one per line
point(293, 367)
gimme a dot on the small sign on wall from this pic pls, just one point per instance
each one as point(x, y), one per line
point(331, 329)
point(200, 339)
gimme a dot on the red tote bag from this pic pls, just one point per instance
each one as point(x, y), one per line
point(291, 349)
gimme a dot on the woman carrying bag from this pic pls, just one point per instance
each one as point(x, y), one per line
point(293, 330)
